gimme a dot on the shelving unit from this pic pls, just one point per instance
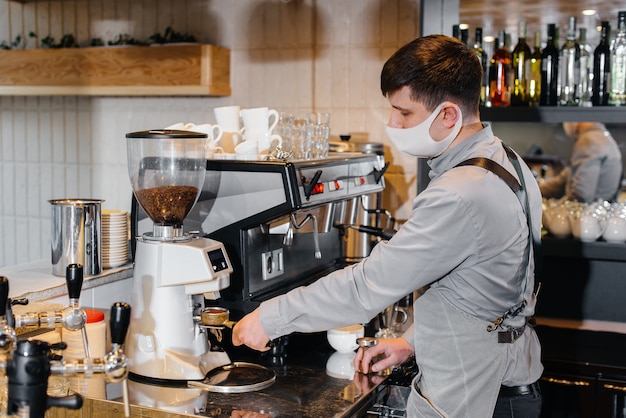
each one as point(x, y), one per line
point(169, 70)
point(556, 114)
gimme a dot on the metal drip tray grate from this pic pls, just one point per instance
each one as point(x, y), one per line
point(390, 402)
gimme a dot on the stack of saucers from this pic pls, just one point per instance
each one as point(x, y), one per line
point(114, 238)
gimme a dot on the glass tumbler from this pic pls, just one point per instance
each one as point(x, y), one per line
point(319, 132)
point(300, 139)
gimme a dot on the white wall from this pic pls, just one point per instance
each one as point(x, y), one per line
point(294, 56)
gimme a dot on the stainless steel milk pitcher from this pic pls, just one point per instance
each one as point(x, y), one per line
point(76, 235)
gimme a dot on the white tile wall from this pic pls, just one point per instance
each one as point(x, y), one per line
point(293, 56)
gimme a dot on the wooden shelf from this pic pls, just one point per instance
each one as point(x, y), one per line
point(556, 114)
point(169, 70)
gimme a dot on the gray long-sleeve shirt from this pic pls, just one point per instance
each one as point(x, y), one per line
point(594, 172)
point(466, 237)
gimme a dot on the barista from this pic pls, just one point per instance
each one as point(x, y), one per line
point(466, 241)
point(595, 170)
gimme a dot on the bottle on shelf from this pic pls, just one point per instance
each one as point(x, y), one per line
point(549, 70)
point(500, 74)
point(482, 57)
point(465, 35)
point(569, 63)
point(617, 93)
point(534, 82)
point(456, 31)
point(521, 68)
point(586, 70)
point(601, 68)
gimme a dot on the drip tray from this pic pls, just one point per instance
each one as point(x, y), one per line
point(237, 377)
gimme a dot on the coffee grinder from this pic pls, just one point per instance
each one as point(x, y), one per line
point(174, 271)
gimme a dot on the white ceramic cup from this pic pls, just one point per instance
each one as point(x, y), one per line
point(230, 140)
point(266, 141)
point(259, 119)
point(211, 151)
point(228, 118)
point(214, 132)
point(224, 156)
point(180, 126)
point(247, 150)
point(344, 339)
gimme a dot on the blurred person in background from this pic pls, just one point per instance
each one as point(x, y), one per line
point(595, 170)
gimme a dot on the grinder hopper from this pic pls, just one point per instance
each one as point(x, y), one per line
point(173, 271)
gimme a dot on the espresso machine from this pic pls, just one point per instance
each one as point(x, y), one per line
point(175, 271)
point(282, 223)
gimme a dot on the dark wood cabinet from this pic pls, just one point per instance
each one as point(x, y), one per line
point(585, 373)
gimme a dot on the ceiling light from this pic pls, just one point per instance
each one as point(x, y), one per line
point(589, 12)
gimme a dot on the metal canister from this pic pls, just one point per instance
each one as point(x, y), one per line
point(358, 245)
point(76, 235)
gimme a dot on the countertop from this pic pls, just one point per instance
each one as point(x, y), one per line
point(312, 381)
point(35, 280)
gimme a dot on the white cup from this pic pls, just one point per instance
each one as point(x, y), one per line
point(224, 156)
point(266, 140)
point(228, 118)
point(230, 140)
point(247, 150)
point(180, 126)
point(214, 132)
point(258, 119)
point(344, 339)
point(269, 142)
point(211, 151)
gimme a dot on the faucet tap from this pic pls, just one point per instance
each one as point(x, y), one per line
point(72, 317)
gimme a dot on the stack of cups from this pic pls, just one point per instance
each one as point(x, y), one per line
point(259, 124)
point(114, 238)
point(227, 117)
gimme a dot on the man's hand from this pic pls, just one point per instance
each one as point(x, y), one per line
point(249, 331)
point(395, 350)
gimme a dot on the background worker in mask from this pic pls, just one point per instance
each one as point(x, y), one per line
point(466, 242)
point(595, 170)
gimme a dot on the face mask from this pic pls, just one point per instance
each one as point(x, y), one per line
point(416, 141)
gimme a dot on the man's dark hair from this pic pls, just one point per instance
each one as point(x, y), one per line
point(436, 68)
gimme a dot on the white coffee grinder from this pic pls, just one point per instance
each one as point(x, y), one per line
point(174, 271)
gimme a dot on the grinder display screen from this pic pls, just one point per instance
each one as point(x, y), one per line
point(218, 261)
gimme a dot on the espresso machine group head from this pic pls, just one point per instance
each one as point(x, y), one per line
point(174, 271)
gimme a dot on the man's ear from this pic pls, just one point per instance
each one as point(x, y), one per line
point(451, 114)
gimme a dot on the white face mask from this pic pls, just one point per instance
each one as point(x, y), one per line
point(416, 141)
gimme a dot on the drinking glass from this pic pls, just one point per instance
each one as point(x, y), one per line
point(319, 132)
point(300, 139)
